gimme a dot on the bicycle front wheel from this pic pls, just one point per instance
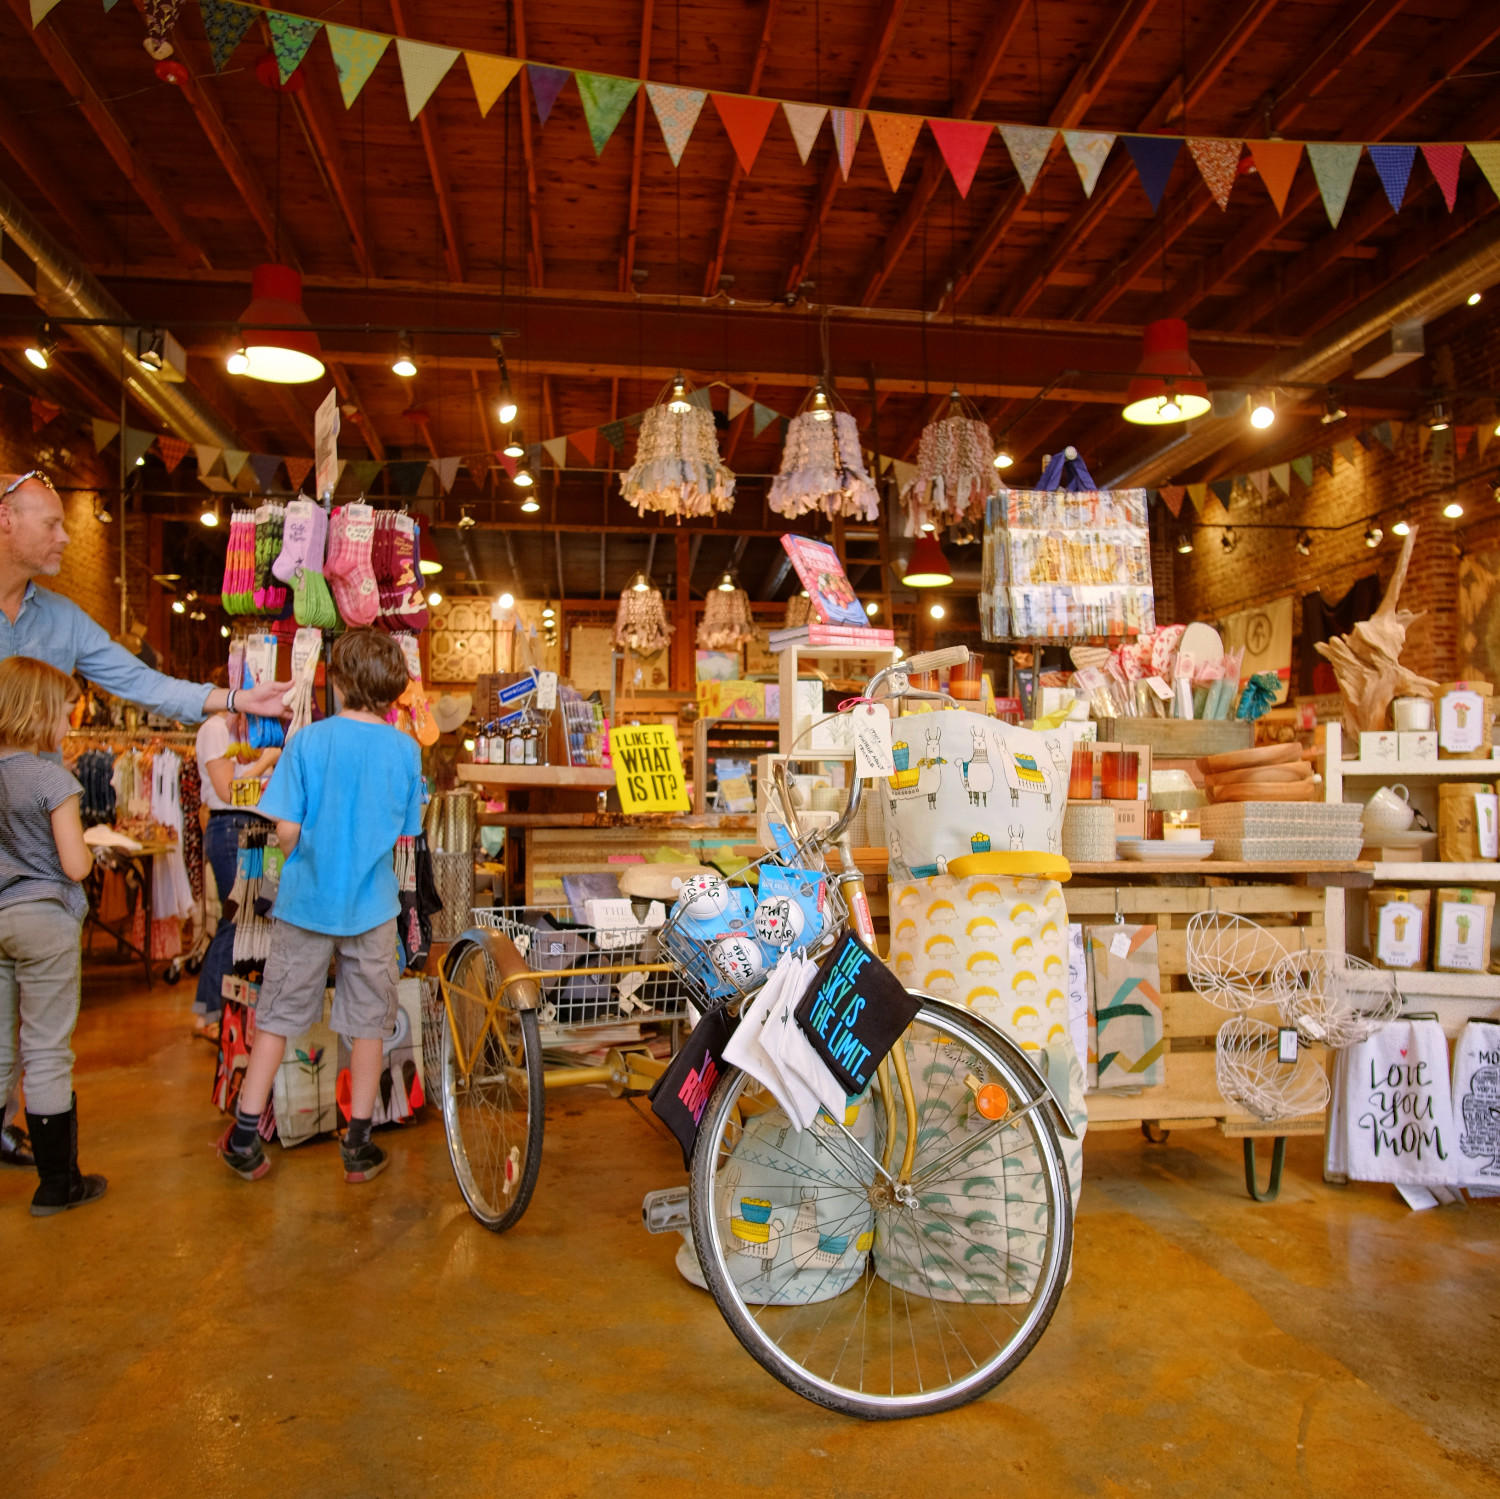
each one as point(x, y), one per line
point(493, 1099)
point(873, 1291)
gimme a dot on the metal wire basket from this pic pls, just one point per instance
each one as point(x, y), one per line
point(590, 977)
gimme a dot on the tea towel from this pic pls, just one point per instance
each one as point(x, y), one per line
point(1396, 1109)
point(1476, 1105)
point(1131, 1049)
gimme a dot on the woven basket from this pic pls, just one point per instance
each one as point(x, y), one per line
point(1088, 833)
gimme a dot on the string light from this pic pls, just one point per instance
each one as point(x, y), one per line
point(872, 608)
point(434, 598)
point(507, 601)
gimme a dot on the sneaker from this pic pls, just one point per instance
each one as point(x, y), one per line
point(250, 1164)
point(363, 1162)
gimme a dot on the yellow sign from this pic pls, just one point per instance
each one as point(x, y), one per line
point(648, 769)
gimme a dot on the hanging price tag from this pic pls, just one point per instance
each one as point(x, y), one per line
point(546, 691)
point(1119, 946)
point(1160, 688)
point(872, 740)
point(1286, 1044)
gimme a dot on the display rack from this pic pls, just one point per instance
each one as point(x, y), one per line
point(727, 738)
point(794, 738)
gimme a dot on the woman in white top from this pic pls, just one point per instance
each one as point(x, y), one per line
point(221, 845)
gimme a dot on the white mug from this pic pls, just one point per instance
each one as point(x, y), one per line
point(1386, 812)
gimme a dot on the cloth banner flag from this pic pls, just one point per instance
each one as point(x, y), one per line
point(297, 469)
point(207, 456)
point(234, 460)
point(1487, 155)
point(614, 434)
point(745, 122)
point(225, 24)
point(42, 412)
point(137, 444)
point(104, 433)
point(291, 36)
point(1219, 163)
point(423, 67)
point(1444, 161)
point(39, 9)
point(1154, 156)
point(406, 476)
point(587, 443)
point(702, 397)
point(1223, 490)
point(491, 76)
point(962, 143)
point(366, 472)
point(546, 85)
point(1276, 161)
point(1393, 165)
point(605, 100)
point(1345, 450)
point(1089, 149)
point(355, 54)
point(446, 470)
point(173, 450)
point(1172, 496)
point(762, 417)
point(1198, 494)
point(1281, 477)
point(1323, 459)
point(805, 121)
point(677, 111)
point(506, 462)
point(895, 135)
point(556, 448)
point(1333, 164)
point(1029, 147)
point(1384, 433)
point(1303, 469)
point(264, 467)
point(846, 125)
point(1259, 480)
point(738, 402)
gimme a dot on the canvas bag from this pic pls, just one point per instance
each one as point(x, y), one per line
point(1476, 1105)
point(1396, 1108)
point(1129, 1047)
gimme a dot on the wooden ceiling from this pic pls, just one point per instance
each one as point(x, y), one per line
point(615, 271)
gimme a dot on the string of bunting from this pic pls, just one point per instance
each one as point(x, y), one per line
point(746, 119)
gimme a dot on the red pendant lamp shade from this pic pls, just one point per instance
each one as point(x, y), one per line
point(927, 567)
point(1168, 385)
point(277, 338)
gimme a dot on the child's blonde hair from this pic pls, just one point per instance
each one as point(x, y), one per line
point(33, 696)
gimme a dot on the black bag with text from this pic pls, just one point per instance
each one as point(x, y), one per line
point(681, 1093)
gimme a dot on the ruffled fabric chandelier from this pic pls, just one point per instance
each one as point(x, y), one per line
point(822, 466)
point(641, 620)
point(955, 468)
point(677, 468)
point(727, 622)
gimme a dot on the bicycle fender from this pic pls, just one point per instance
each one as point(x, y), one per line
point(521, 993)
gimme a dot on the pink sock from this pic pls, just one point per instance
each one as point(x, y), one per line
point(353, 581)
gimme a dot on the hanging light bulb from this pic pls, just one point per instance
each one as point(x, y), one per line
point(507, 408)
point(1402, 527)
point(639, 583)
point(279, 344)
point(821, 410)
point(1453, 510)
point(937, 611)
point(178, 607)
point(530, 505)
point(435, 598)
point(40, 351)
point(1374, 535)
point(404, 364)
point(1168, 385)
point(679, 405)
point(1003, 458)
point(927, 567)
point(1304, 545)
point(506, 601)
point(224, 631)
point(1475, 298)
point(1263, 409)
point(210, 515)
point(1184, 542)
point(872, 608)
point(515, 447)
point(238, 362)
point(548, 612)
point(726, 583)
point(1438, 418)
point(523, 477)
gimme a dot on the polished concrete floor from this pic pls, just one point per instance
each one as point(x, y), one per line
point(192, 1334)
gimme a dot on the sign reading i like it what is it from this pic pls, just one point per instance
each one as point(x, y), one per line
point(648, 769)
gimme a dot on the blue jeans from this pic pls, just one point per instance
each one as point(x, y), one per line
point(221, 849)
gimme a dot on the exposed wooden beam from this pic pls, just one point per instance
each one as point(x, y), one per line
point(350, 395)
point(736, 175)
point(482, 409)
point(535, 260)
point(296, 413)
point(78, 80)
point(447, 215)
point(94, 236)
point(638, 153)
point(877, 49)
point(1006, 17)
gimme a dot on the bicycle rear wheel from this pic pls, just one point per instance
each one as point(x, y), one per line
point(494, 1116)
point(867, 1295)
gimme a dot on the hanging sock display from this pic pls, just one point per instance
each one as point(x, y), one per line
point(677, 469)
point(955, 467)
point(822, 465)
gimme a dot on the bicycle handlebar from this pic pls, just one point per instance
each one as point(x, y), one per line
point(952, 655)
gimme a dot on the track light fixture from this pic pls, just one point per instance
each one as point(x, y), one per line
point(1373, 535)
point(1304, 544)
point(1402, 527)
point(1263, 409)
point(150, 345)
point(1453, 510)
point(405, 365)
point(101, 513)
point(466, 522)
point(210, 515)
point(1438, 418)
point(1333, 410)
point(40, 351)
point(507, 409)
point(1230, 539)
point(1184, 542)
point(515, 446)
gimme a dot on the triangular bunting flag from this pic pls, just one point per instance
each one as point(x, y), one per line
point(962, 143)
point(1171, 494)
point(297, 469)
point(1384, 434)
point(1333, 164)
point(446, 470)
point(42, 412)
point(895, 135)
point(1346, 450)
point(355, 54)
point(291, 36)
point(546, 85)
point(104, 433)
point(406, 476)
point(1089, 149)
point(234, 461)
point(1276, 161)
point(1029, 146)
point(1442, 444)
point(1198, 494)
point(207, 456)
point(1462, 437)
point(1218, 161)
point(761, 418)
point(738, 402)
point(39, 9)
point(677, 111)
point(1393, 163)
point(173, 450)
point(1281, 477)
point(1303, 469)
point(846, 124)
point(614, 434)
point(1213, 513)
point(1486, 436)
point(422, 69)
point(587, 443)
point(136, 445)
point(702, 397)
point(1323, 459)
point(745, 122)
point(217, 484)
point(605, 100)
point(507, 463)
point(1443, 161)
point(556, 448)
point(264, 466)
point(1154, 157)
point(1424, 437)
point(1222, 489)
point(225, 24)
point(366, 472)
point(491, 76)
point(1259, 480)
point(805, 121)
point(1487, 155)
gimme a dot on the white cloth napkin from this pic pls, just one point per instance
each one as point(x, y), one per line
point(1476, 1105)
point(1395, 1108)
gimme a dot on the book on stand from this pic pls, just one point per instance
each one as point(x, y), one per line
point(834, 601)
point(830, 635)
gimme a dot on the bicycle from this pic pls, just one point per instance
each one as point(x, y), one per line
point(929, 1230)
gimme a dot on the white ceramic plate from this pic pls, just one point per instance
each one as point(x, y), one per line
point(1163, 850)
point(1412, 838)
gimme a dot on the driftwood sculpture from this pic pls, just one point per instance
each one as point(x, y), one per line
point(1365, 660)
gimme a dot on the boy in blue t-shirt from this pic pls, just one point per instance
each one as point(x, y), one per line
point(343, 792)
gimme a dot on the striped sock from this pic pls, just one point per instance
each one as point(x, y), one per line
point(245, 1131)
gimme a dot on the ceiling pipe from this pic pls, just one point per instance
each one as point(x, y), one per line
point(1436, 286)
point(64, 288)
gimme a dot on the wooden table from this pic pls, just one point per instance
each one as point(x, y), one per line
point(94, 888)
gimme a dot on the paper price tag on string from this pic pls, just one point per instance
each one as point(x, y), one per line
point(1090, 678)
point(1286, 1044)
point(1119, 946)
point(306, 646)
point(1160, 688)
point(546, 691)
point(872, 740)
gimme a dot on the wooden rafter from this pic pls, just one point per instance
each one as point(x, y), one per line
point(736, 174)
point(483, 412)
point(535, 260)
point(78, 80)
point(877, 49)
point(296, 413)
point(1003, 23)
point(93, 234)
point(638, 152)
point(350, 395)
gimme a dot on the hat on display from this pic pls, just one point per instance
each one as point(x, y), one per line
point(451, 710)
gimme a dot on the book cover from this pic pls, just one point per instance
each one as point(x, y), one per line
point(828, 586)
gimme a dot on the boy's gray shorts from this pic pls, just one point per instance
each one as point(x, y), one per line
point(364, 988)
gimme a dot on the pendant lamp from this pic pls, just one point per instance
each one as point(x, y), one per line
point(798, 612)
point(822, 466)
point(677, 469)
point(278, 341)
point(727, 622)
point(955, 466)
point(1168, 385)
point(641, 620)
point(927, 567)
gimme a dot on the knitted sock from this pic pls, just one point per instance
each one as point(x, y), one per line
point(357, 1134)
point(312, 602)
point(296, 539)
point(354, 589)
point(245, 1131)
